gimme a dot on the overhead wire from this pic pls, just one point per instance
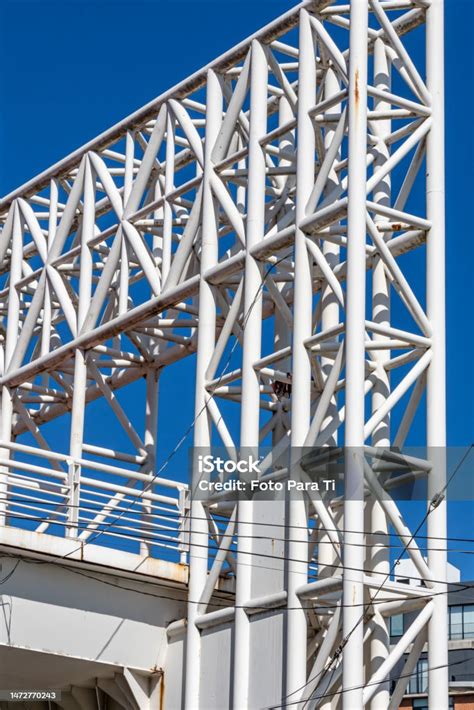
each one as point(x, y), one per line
point(345, 567)
point(169, 515)
point(157, 538)
point(180, 442)
point(215, 603)
point(366, 685)
point(435, 501)
point(259, 555)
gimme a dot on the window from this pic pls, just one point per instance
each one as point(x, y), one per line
point(461, 622)
point(422, 703)
point(396, 625)
point(455, 622)
point(419, 680)
point(468, 621)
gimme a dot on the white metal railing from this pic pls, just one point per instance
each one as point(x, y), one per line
point(117, 507)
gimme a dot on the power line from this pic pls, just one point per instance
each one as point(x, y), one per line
point(10, 574)
point(433, 504)
point(366, 685)
point(159, 538)
point(169, 515)
point(322, 607)
point(279, 558)
point(169, 598)
point(435, 501)
point(173, 516)
point(191, 426)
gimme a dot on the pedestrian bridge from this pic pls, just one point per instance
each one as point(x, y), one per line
point(86, 619)
point(99, 619)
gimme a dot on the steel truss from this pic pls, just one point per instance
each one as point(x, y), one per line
point(277, 191)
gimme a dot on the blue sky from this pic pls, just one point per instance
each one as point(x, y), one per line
point(70, 69)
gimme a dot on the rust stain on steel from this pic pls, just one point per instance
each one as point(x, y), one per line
point(162, 691)
point(356, 91)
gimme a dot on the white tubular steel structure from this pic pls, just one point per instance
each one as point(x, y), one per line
point(279, 214)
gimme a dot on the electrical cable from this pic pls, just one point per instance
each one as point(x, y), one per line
point(10, 574)
point(219, 517)
point(169, 515)
point(259, 555)
point(283, 609)
point(435, 501)
point(191, 426)
point(366, 685)
point(160, 538)
point(283, 558)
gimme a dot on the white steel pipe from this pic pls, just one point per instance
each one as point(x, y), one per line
point(13, 323)
point(301, 393)
point(353, 587)
point(378, 559)
point(436, 375)
point(202, 434)
point(250, 408)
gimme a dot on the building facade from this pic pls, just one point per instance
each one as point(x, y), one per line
point(460, 645)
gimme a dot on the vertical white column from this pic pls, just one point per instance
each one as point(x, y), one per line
point(250, 410)
point(47, 309)
point(80, 361)
point(76, 440)
point(436, 378)
point(167, 207)
point(329, 303)
point(149, 440)
point(206, 340)
point(353, 589)
point(13, 325)
point(301, 382)
point(124, 260)
point(330, 316)
point(282, 337)
point(87, 233)
point(377, 551)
